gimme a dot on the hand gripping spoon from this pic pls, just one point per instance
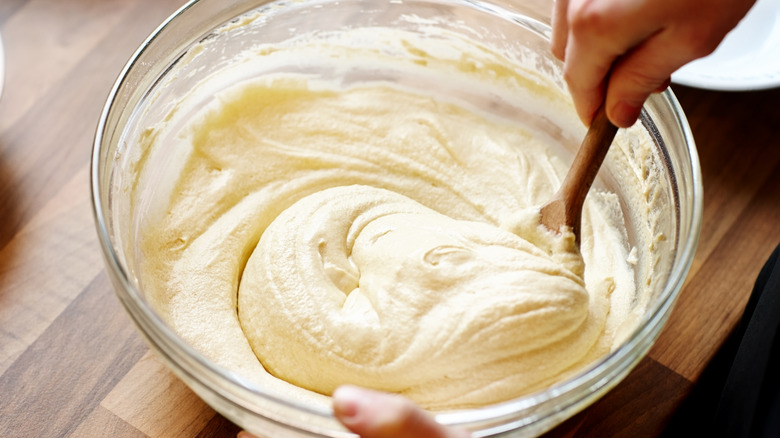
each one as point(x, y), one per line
point(565, 207)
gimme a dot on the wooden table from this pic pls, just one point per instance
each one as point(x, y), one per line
point(71, 363)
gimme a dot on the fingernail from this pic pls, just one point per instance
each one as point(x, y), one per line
point(624, 114)
point(346, 402)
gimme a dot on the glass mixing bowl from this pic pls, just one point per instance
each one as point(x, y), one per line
point(206, 37)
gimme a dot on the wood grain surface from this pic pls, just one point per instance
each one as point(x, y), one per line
point(71, 363)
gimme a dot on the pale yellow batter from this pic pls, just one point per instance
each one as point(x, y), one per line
point(319, 233)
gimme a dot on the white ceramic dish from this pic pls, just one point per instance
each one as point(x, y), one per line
point(747, 59)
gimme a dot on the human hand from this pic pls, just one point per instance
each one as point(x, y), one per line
point(374, 414)
point(637, 44)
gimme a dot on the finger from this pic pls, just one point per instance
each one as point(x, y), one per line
point(585, 74)
point(646, 69)
point(373, 414)
point(600, 32)
point(560, 29)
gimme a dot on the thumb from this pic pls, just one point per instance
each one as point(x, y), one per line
point(373, 414)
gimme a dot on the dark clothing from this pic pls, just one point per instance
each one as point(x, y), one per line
point(738, 394)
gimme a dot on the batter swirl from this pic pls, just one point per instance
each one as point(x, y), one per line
point(320, 234)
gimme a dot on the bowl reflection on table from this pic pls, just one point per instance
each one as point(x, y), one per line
point(208, 36)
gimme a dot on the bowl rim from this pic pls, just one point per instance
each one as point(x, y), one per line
point(502, 416)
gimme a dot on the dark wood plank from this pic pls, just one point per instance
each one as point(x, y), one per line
point(54, 136)
point(737, 140)
point(62, 377)
point(645, 406)
point(154, 401)
point(219, 427)
point(714, 298)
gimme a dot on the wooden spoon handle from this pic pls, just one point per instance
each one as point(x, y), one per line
point(565, 208)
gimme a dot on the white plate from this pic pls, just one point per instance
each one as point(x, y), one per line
point(747, 59)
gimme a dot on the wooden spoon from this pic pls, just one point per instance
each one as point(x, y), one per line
point(565, 207)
